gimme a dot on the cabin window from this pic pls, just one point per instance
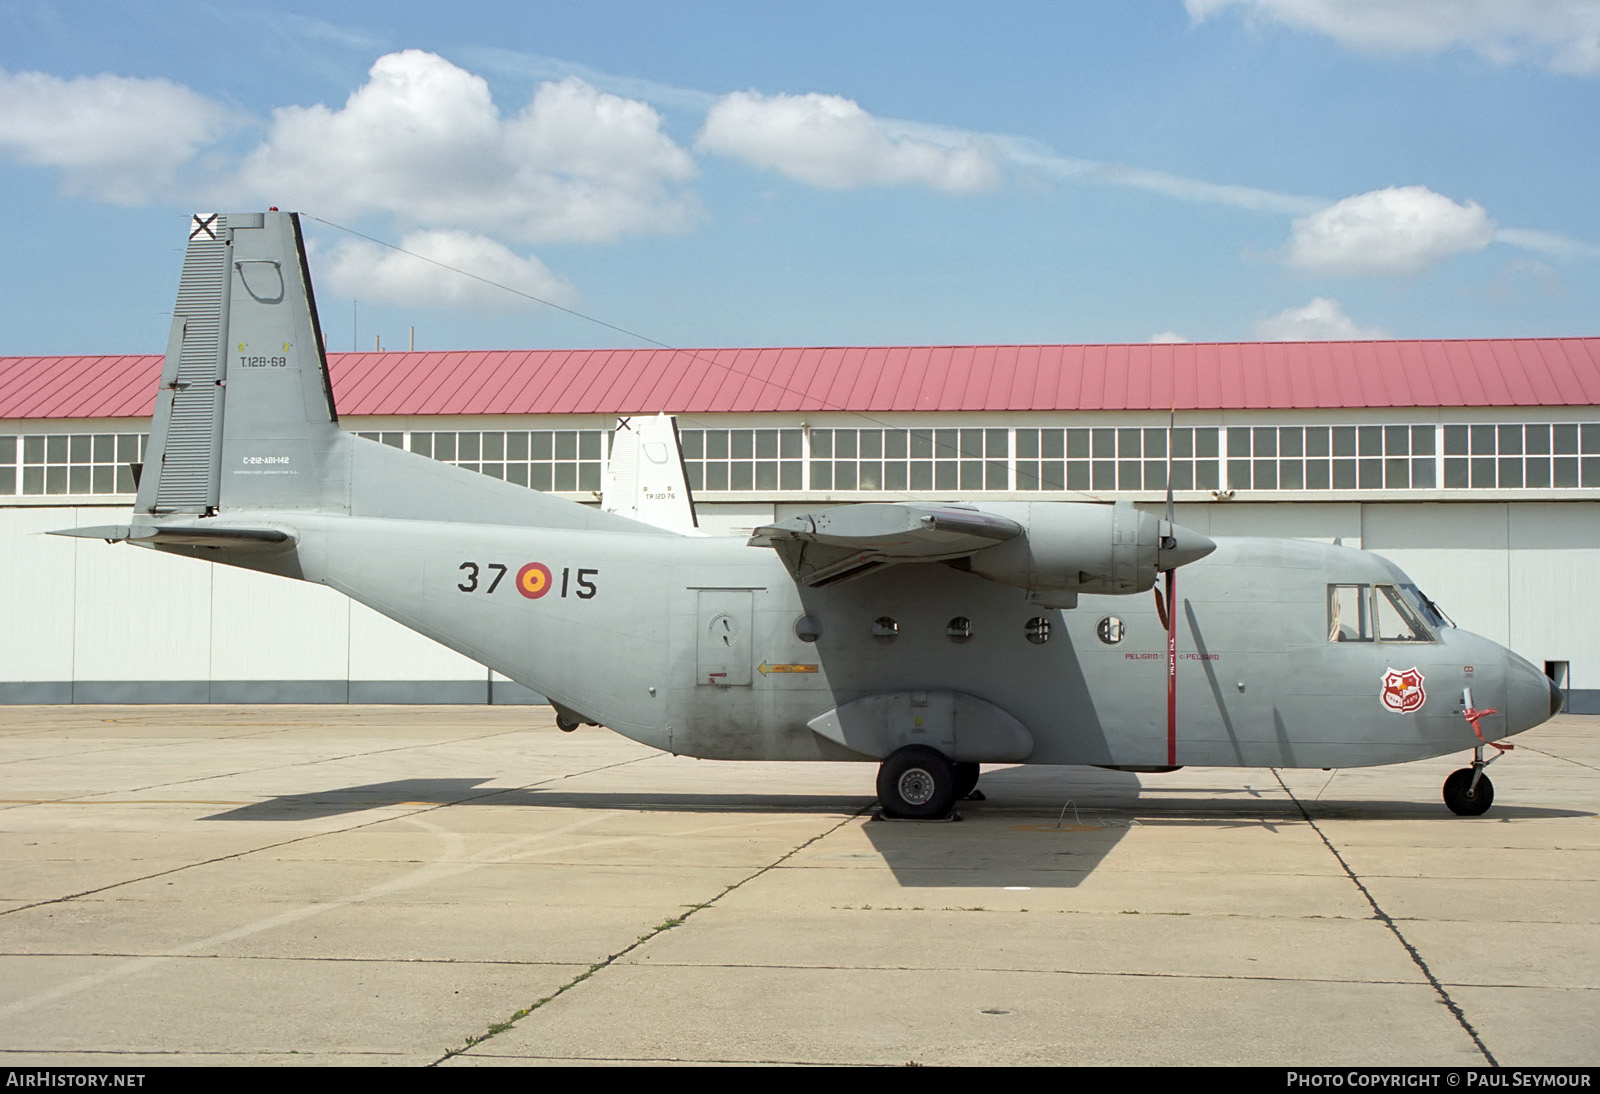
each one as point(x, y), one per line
point(959, 629)
point(808, 628)
point(1038, 630)
point(1368, 613)
point(885, 629)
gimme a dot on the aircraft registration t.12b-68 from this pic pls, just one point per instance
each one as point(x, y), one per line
point(928, 638)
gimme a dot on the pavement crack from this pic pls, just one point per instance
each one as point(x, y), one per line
point(476, 794)
point(1556, 756)
point(498, 1028)
point(1394, 928)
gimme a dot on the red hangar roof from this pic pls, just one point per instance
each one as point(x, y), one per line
point(1194, 376)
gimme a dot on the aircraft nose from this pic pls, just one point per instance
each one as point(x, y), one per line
point(1531, 696)
point(1186, 546)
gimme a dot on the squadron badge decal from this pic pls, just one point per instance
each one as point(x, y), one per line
point(1402, 691)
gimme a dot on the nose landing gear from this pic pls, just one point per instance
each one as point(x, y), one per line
point(1468, 792)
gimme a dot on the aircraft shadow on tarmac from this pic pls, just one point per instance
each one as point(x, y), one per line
point(1042, 827)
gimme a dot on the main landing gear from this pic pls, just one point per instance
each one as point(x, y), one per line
point(919, 783)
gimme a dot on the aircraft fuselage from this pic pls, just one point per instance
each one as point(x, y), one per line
point(693, 645)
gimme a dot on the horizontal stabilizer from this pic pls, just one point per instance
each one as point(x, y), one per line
point(186, 535)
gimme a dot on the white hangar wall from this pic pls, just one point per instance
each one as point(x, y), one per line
point(102, 623)
point(94, 622)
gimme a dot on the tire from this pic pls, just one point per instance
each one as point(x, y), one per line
point(966, 779)
point(1465, 803)
point(916, 783)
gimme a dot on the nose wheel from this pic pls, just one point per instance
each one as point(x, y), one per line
point(1468, 792)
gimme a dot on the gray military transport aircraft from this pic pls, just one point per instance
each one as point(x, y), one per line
point(929, 638)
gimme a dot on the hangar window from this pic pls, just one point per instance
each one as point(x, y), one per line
point(1338, 457)
point(1534, 456)
point(562, 460)
point(69, 463)
point(742, 459)
point(910, 459)
point(1116, 458)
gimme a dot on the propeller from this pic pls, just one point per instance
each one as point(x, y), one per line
point(1167, 608)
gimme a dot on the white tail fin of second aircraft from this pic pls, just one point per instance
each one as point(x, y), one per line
point(645, 477)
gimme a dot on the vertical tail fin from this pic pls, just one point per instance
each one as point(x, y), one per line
point(244, 417)
point(645, 477)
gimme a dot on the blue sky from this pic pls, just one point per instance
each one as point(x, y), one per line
point(708, 174)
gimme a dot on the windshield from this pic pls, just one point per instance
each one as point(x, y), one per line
point(1431, 612)
point(1380, 613)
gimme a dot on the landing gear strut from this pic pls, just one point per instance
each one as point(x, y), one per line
point(917, 783)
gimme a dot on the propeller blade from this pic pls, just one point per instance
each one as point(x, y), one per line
point(1172, 668)
point(1172, 416)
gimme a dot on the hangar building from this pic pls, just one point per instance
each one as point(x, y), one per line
point(1474, 465)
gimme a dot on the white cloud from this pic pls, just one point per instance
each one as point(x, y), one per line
point(829, 141)
point(1322, 320)
point(115, 138)
point(424, 141)
point(1563, 35)
point(381, 275)
point(1032, 154)
point(1388, 233)
point(1167, 337)
point(1550, 243)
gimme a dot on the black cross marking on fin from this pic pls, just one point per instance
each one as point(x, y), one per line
point(203, 226)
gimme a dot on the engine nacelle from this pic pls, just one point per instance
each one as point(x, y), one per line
point(1077, 548)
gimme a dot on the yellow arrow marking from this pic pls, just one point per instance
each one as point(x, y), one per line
point(765, 668)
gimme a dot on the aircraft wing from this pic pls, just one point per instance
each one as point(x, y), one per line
point(836, 544)
point(1054, 550)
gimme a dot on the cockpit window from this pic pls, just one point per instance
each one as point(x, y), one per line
point(1379, 613)
point(1397, 620)
point(1348, 618)
point(1431, 613)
